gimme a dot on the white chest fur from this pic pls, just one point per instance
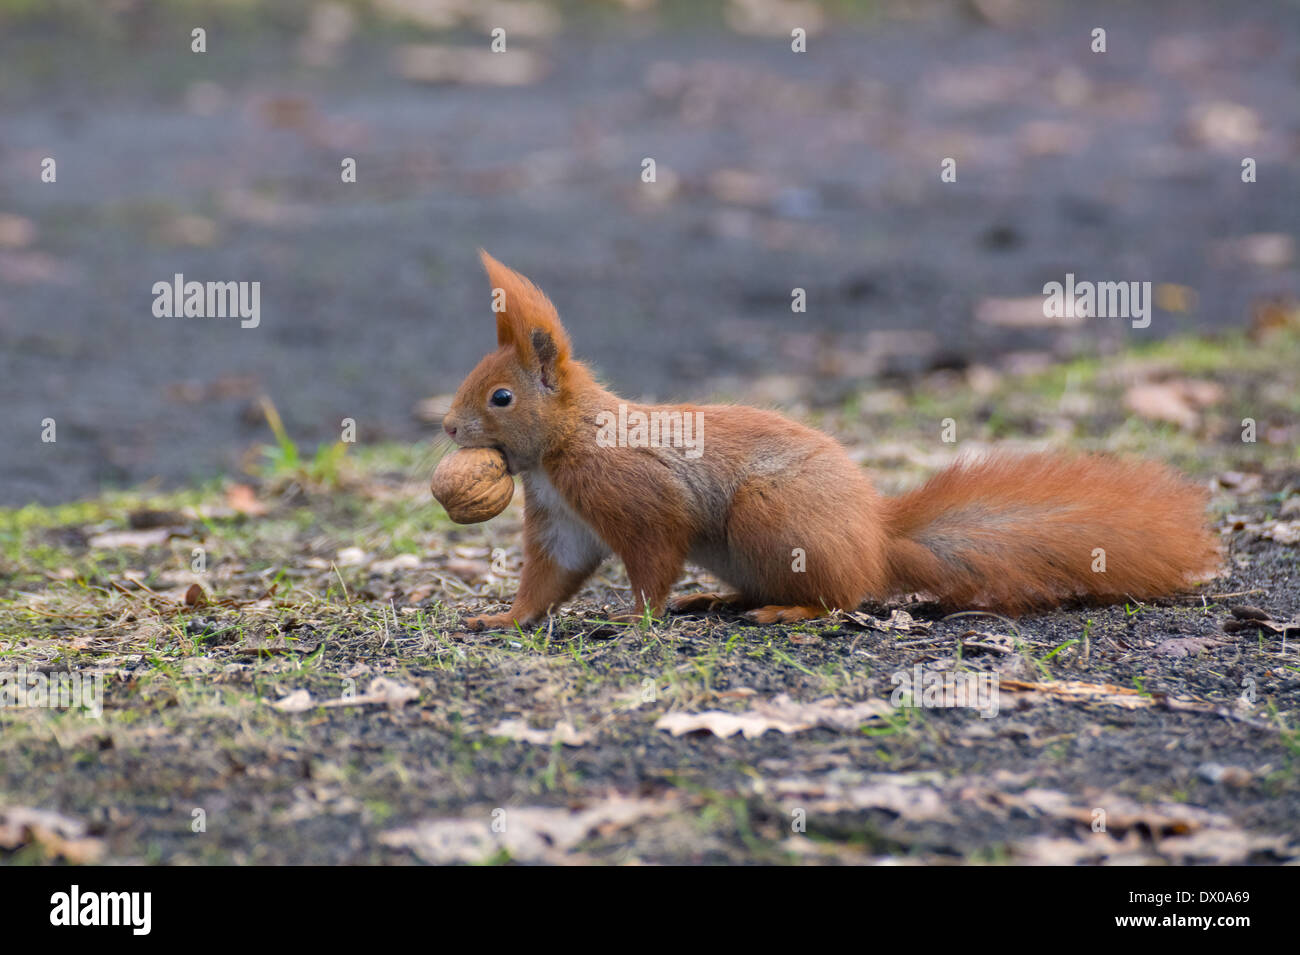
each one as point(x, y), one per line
point(566, 537)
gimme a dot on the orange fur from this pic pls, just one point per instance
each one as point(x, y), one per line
point(781, 514)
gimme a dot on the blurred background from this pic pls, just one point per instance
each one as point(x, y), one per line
point(775, 170)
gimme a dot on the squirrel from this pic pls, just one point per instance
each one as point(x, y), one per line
point(780, 513)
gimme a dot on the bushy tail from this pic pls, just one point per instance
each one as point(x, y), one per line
point(1012, 533)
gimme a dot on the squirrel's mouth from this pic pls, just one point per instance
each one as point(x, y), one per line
point(510, 465)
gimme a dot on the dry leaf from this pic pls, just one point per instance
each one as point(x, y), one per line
point(900, 621)
point(1081, 692)
point(1177, 402)
point(351, 557)
point(562, 733)
point(910, 796)
point(437, 63)
point(1284, 532)
point(394, 564)
point(1229, 775)
point(781, 714)
point(381, 690)
point(1186, 646)
point(16, 232)
point(242, 499)
point(299, 701)
point(1265, 250)
point(1026, 312)
point(116, 540)
point(1225, 125)
point(57, 835)
point(1239, 481)
point(528, 834)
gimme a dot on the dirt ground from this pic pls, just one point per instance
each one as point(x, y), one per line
point(306, 693)
point(776, 170)
point(269, 620)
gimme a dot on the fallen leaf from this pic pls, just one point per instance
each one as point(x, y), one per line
point(1264, 250)
point(351, 557)
point(1238, 481)
point(299, 701)
point(900, 621)
point(117, 540)
point(57, 835)
point(781, 714)
point(1175, 298)
point(1026, 312)
point(1252, 618)
point(1081, 692)
point(400, 562)
point(1225, 125)
point(438, 63)
point(1178, 402)
point(1229, 775)
point(527, 834)
point(242, 499)
point(381, 690)
point(468, 570)
point(909, 796)
point(1284, 532)
point(1186, 646)
point(562, 733)
point(16, 232)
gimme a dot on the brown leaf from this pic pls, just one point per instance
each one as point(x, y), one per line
point(15, 231)
point(59, 836)
point(1026, 312)
point(117, 540)
point(438, 63)
point(242, 499)
point(1081, 692)
point(781, 714)
point(1177, 402)
point(563, 732)
point(527, 834)
point(381, 691)
point(1186, 646)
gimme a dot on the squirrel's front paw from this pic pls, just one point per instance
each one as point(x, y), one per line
point(496, 621)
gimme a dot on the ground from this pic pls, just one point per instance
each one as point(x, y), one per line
point(285, 677)
point(776, 170)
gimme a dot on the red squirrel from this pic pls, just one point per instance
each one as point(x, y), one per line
point(779, 512)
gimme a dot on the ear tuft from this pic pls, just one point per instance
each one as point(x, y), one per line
point(548, 357)
point(527, 313)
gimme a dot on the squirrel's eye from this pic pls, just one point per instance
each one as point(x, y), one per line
point(502, 397)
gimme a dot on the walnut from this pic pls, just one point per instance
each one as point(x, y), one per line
point(472, 484)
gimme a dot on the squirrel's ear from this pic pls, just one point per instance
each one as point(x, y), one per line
point(527, 321)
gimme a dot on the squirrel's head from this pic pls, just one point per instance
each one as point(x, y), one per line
point(516, 398)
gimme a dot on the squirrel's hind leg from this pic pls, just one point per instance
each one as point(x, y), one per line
point(708, 602)
point(775, 613)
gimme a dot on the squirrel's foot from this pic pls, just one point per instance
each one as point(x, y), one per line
point(703, 603)
point(496, 621)
point(775, 613)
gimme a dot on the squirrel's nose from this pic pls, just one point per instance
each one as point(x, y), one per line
point(449, 426)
